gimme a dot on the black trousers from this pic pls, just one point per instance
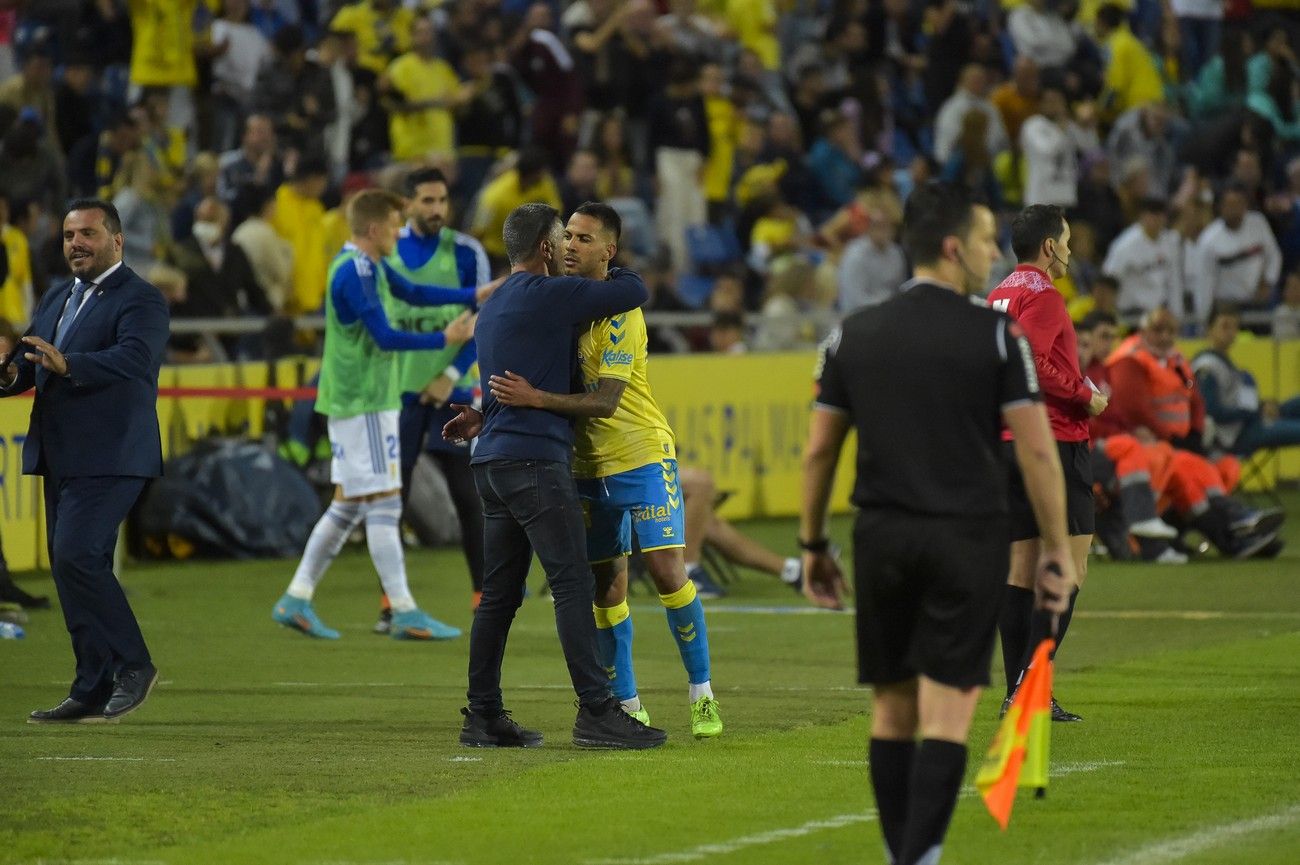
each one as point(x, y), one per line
point(82, 516)
point(416, 427)
point(532, 506)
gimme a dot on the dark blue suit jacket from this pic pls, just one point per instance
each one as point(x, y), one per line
point(102, 418)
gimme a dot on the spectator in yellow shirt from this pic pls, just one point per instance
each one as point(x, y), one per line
point(16, 298)
point(1132, 77)
point(754, 23)
point(421, 91)
point(162, 53)
point(724, 130)
point(298, 218)
point(382, 29)
point(528, 181)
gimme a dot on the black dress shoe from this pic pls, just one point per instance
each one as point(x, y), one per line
point(130, 690)
point(10, 592)
point(70, 711)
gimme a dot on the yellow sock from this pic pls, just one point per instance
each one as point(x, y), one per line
point(680, 598)
point(608, 617)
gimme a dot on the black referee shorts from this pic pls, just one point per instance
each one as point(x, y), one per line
point(928, 592)
point(1080, 515)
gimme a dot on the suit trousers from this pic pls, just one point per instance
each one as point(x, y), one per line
point(82, 516)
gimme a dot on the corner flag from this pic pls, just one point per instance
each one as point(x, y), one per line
point(1018, 756)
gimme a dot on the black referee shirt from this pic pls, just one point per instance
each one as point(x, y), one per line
point(924, 378)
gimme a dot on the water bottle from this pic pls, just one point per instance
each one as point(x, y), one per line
point(11, 631)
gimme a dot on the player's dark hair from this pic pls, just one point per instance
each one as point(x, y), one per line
point(934, 211)
point(526, 227)
point(604, 214)
point(1096, 319)
point(1032, 226)
point(112, 220)
point(421, 176)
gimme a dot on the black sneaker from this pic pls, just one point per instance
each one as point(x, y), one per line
point(10, 593)
point(384, 623)
point(499, 731)
point(608, 725)
point(1059, 714)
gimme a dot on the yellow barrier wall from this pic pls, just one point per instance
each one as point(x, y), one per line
point(743, 417)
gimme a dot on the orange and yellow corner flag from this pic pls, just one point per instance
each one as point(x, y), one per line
point(1018, 756)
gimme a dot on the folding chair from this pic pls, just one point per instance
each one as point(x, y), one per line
point(1259, 474)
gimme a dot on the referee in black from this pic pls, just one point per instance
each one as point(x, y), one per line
point(927, 379)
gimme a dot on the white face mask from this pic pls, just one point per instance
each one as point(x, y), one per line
point(207, 232)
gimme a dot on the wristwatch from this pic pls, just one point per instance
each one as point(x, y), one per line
point(820, 545)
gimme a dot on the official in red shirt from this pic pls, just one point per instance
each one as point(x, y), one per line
point(1040, 238)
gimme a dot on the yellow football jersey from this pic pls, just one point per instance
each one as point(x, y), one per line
point(638, 434)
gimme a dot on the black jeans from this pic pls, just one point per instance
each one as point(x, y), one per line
point(532, 506)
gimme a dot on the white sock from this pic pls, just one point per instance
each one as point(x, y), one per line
point(331, 531)
point(704, 689)
point(384, 539)
point(632, 705)
point(791, 571)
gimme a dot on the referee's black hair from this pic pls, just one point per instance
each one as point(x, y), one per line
point(112, 220)
point(526, 227)
point(604, 214)
point(421, 176)
point(934, 211)
point(1032, 226)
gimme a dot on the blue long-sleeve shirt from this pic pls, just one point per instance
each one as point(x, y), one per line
point(354, 291)
point(530, 326)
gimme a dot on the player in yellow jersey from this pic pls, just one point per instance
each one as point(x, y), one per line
point(625, 463)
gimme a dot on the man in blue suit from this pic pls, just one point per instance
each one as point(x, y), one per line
point(93, 352)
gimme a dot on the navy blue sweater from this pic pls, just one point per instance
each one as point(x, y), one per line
point(530, 326)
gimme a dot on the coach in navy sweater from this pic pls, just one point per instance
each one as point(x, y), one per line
point(93, 352)
point(522, 467)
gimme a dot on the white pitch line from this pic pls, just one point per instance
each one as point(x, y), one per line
point(110, 760)
point(1180, 848)
point(96, 862)
point(721, 848)
point(1185, 615)
point(343, 685)
point(724, 847)
point(382, 862)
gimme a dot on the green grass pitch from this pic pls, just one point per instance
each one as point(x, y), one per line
point(262, 746)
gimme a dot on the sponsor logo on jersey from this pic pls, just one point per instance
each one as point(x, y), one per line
point(615, 358)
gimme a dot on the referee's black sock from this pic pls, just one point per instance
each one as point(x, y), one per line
point(1013, 625)
point(1041, 629)
point(890, 763)
point(936, 780)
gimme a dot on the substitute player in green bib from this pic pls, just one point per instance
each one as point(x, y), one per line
point(360, 395)
point(625, 464)
point(430, 252)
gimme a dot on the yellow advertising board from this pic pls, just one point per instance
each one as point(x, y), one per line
point(742, 417)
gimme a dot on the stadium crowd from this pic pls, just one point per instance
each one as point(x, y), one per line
point(759, 153)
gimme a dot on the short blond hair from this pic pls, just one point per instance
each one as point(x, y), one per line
point(370, 206)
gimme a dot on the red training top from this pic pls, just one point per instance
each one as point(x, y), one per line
point(1028, 296)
